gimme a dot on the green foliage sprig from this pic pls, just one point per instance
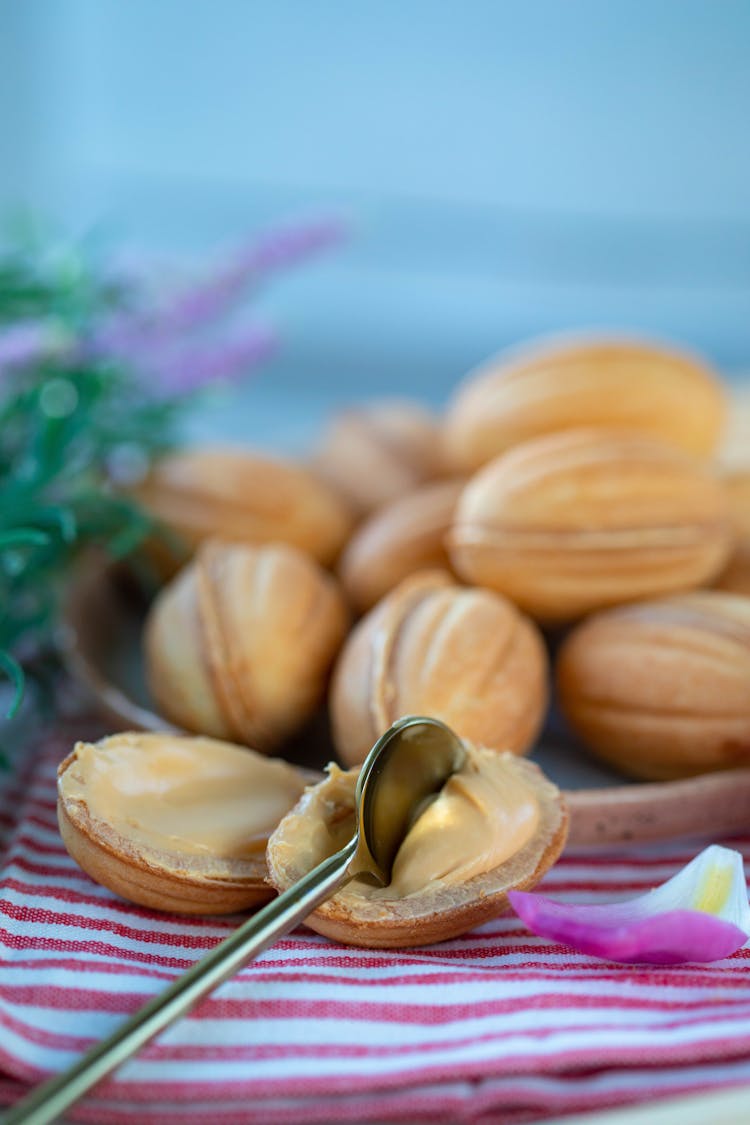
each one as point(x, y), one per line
point(68, 429)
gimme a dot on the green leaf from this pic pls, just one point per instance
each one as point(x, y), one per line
point(62, 519)
point(24, 537)
point(124, 542)
point(15, 674)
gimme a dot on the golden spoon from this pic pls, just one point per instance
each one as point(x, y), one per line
point(409, 763)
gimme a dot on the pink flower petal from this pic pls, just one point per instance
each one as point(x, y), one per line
point(666, 938)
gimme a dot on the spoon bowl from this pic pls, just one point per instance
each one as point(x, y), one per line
point(407, 765)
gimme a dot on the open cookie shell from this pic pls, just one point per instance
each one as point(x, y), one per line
point(181, 885)
point(438, 913)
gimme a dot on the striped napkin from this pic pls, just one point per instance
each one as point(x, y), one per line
point(499, 1026)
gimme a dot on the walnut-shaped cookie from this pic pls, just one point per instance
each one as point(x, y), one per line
point(240, 644)
point(432, 647)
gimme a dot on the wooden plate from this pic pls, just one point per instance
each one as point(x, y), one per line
point(101, 643)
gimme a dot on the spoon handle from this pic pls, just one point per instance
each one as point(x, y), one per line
point(50, 1100)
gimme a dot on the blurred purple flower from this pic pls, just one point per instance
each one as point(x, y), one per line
point(190, 368)
point(28, 342)
point(130, 334)
point(251, 264)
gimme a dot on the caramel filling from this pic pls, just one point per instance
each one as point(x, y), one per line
point(484, 814)
point(185, 796)
point(480, 818)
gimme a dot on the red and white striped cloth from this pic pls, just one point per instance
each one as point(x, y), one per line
point(499, 1026)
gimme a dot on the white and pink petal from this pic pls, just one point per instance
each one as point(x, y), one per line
point(700, 914)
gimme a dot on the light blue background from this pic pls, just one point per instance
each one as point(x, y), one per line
point(509, 168)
